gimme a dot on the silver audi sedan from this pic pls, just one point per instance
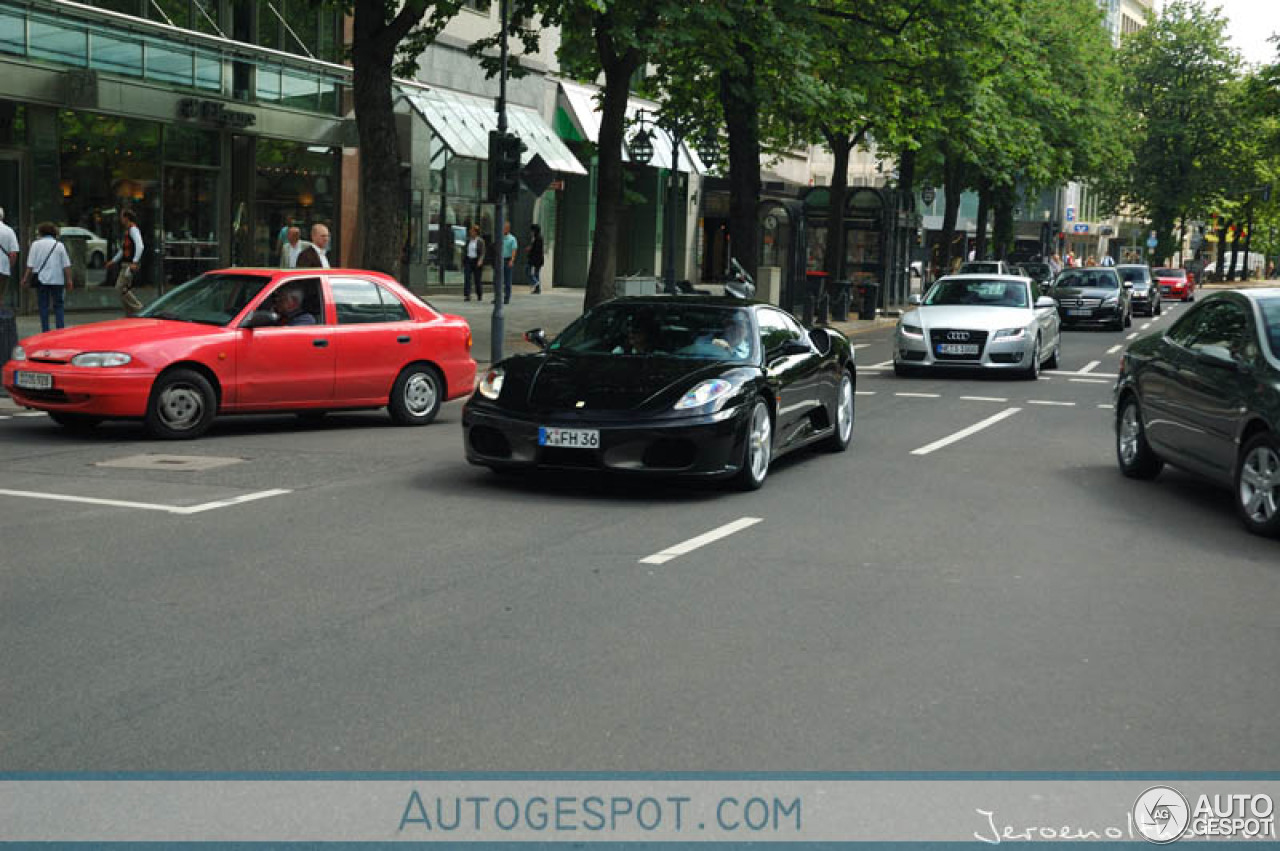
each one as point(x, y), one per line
point(992, 322)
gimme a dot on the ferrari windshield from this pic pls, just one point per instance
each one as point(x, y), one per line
point(209, 299)
point(978, 293)
point(639, 329)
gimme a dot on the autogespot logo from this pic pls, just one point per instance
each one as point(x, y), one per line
point(1161, 814)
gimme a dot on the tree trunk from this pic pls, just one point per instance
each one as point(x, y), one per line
point(1235, 253)
point(980, 235)
point(1248, 236)
point(953, 185)
point(382, 191)
point(613, 118)
point(1002, 227)
point(1222, 251)
point(740, 102)
point(840, 145)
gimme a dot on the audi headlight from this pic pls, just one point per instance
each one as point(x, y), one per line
point(913, 331)
point(19, 353)
point(1011, 333)
point(490, 386)
point(101, 359)
point(704, 394)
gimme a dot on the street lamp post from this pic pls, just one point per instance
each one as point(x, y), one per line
point(497, 321)
point(641, 148)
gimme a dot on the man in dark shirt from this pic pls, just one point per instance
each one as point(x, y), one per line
point(288, 303)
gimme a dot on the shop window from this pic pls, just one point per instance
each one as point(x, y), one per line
point(301, 91)
point(268, 85)
point(170, 66)
point(296, 185)
point(13, 34)
point(191, 146)
point(116, 54)
point(208, 71)
point(58, 43)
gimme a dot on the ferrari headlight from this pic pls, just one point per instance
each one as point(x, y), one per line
point(1011, 333)
point(913, 331)
point(704, 394)
point(490, 386)
point(101, 359)
point(19, 353)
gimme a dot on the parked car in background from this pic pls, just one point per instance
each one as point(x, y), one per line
point(1205, 397)
point(1145, 295)
point(215, 346)
point(95, 255)
point(702, 387)
point(986, 267)
point(1093, 296)
point(990, 322)
point(1175, 283)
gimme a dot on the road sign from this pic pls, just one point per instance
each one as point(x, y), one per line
point(1152, 242)
point(1071, 214)
point(1080, 228)
point(537, 175)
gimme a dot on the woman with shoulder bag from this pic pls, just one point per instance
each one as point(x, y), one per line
point(49, 271)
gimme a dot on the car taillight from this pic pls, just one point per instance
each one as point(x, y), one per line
point(468, 339)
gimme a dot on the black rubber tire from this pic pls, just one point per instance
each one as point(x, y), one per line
point(746, 478)
point(1145, 464)
point(1032, 372)
point(836, 442)
point(182, 405)
point(75, 422)
point(1270, 527)
point(417, 395)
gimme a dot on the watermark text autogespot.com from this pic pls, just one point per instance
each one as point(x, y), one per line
point(482, 814)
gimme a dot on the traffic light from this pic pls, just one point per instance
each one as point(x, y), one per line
point(504, 164)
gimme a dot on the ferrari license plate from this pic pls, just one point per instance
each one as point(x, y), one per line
point(33, 380)
point(569, 438)
point(957, 348)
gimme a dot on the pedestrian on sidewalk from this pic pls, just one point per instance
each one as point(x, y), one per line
point(315, 255)
point(534, 252)
point(292, 248)
point(8, 261)
point(49, 271)
point(510, 246)
point(472, 264)
point(129, 257)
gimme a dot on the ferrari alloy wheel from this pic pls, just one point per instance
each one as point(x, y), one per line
point(758, 451)
point(182, 405)
point(1258, 485)
point(1136, 457)
point(416, 396)
point(842, 417)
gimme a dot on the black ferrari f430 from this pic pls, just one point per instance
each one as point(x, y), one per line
point(692, 386)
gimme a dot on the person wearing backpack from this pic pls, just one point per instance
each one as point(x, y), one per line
point(49, 271)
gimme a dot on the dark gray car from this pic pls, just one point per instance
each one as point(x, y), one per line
point(1205, 396)
point(1145, 295)
point(1092, 296)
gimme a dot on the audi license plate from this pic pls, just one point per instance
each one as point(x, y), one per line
point(569, 438)
point(1079, 312)
point(958, 348)
point(33, 380)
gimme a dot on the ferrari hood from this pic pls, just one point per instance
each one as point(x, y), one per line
point(610, 382)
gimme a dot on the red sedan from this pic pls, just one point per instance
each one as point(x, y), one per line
point(249, 341)
point(1175, 283)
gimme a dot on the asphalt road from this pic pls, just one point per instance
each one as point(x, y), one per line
point(354, 596)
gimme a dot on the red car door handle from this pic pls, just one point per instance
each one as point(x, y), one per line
point(403, 338)
point(319, 344)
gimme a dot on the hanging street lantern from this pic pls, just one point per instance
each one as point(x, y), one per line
point(641, 147)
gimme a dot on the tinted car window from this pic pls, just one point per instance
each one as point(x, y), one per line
point(1271, 321)
point(669, 329)
point(1224, 324)
point(978, 293)
point(211, 299)
point(1133, 274)
point(357, 301)
point(393, 309)
point(1184, 330)
point(777, 328)
point(1095, 278)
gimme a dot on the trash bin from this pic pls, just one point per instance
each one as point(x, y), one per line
point(840, 301)
point(868, 298)
point(8, 334)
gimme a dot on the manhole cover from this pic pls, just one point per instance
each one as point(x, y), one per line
point(182, 463)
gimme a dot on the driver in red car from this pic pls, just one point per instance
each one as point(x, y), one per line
point(287, 302)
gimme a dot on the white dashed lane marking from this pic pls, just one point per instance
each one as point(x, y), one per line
point(701, 541)
point(1050, 402)
point(1132, 336)
point(920, 395)
point(147, 506)
point(1113, 349)
point(1089, 380)
point(965, 432)
point(984, 399)
point(1091, 366)
point(864, 392)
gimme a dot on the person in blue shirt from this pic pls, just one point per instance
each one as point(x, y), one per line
point(509, 247)
point(287, 302)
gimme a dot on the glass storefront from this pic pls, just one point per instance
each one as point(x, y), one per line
point(295, 184)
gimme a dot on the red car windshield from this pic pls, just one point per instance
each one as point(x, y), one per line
point(1180, 274)
point(209, 299)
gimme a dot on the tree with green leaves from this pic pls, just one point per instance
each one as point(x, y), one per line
point(385, 31)
point(1177, 89)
